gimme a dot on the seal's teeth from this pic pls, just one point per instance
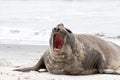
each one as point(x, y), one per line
point(55, 49)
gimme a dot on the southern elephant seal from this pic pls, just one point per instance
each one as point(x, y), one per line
point(77, 54)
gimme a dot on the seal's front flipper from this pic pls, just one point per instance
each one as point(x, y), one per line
point(111, 71)
point(39, 65)
point(25, 69)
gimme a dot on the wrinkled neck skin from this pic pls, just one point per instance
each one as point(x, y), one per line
point(67, 60)
point(67, 51)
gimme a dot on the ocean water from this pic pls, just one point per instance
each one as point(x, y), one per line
point(31, 21)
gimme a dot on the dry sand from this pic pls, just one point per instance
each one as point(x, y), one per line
point(13, 56)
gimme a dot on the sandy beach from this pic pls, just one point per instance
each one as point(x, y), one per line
point(14, 56)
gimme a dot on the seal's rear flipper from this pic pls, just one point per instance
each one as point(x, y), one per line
point(111, 71)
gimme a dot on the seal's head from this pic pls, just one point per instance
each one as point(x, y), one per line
point(60, 37)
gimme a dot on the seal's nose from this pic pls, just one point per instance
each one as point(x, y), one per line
point(56, 29)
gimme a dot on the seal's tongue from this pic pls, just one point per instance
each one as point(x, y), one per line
point(58, 41)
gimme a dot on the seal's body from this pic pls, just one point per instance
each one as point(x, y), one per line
point(78, 54)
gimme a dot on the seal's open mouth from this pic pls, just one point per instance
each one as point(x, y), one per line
point(58, 41)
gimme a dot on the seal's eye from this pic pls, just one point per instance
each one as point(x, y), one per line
point(68, 30)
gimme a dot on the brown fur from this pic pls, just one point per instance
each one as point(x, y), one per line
point(80, 54)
